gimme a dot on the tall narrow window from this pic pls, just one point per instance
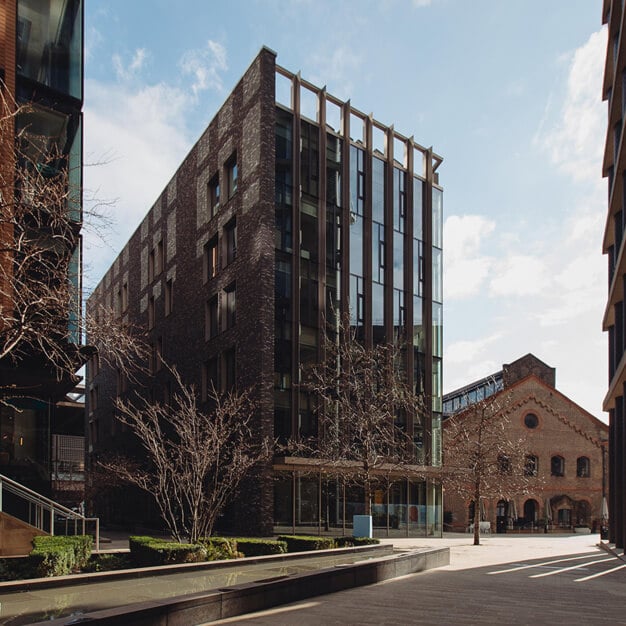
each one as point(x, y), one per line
point(151, 308)
point(158, 364)
point(583, 467)
point(158, 267)
point(151, 265)
point(211, 318)
point(228, 369)
point(210, 259)
point(214, 194)
point(232, 174)
point(230, 304)
point(557, 466)
point(169, 296)
point(124, 297)
point(531, 465)
point(230, 234)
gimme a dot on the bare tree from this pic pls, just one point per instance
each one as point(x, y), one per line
point(195, 460)
point(481, 459)
point(362, 403)
point(40, 271)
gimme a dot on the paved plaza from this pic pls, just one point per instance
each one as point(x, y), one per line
point(508, 580)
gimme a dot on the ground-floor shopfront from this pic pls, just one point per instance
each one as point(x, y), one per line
point(322, 503)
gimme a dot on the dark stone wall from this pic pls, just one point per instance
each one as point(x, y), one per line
point(525, 366)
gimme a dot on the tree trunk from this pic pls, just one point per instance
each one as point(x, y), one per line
point(477, 514)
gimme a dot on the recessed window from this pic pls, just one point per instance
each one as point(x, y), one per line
point(209, 378)
point(230, 235)
point(230, 305)
point(169, 296)
point(557, 466)
point(583, 467)
point(531, 420)
point(210, 259)
point(214, 194)
point(232, 175)
point(228, 372)
point(159, 354)
point(531, 465)
point(504, 464)
point(151, 312)
point(211, 318)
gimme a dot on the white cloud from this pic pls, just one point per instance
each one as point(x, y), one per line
point(204, 66)
point(575, 144)
point(422, 3)
point(128, 72)
point(519, 275)
point(336, 67)
point(465, 267)
point(465, 351)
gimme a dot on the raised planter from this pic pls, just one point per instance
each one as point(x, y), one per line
point(582, 530)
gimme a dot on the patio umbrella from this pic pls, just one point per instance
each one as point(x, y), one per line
point(605, 509)
point(483, 511)
point(548, 511)
point(512, 510)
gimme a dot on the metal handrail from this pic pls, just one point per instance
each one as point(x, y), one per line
point(44, 503)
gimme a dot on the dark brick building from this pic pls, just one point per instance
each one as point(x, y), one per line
point(281, 213)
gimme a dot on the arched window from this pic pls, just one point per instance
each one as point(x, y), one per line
point(531, 465)
point(530, 512)
point(583, 469)
point(504, 464)
point(557, 466)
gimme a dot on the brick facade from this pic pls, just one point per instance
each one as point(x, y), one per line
point(565, 430)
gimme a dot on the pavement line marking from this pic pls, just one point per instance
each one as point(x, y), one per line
point(608, 571)
point(567, 569)
point(517, 569)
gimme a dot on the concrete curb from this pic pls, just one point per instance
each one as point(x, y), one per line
point(611, 549)
point(240, 599)
point(32, 584)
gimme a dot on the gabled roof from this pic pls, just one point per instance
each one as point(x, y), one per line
point(547, 407)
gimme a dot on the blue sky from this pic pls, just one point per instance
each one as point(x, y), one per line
point(507, 91)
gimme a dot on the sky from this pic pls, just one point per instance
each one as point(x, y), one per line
point(508, 92)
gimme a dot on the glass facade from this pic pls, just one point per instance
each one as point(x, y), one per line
point(378, 249)
point(50, 44)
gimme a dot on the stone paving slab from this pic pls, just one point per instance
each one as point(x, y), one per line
point(508, 580)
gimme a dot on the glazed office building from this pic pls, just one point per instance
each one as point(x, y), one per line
point(614, 168)
point(292, 205)
point(41, 64)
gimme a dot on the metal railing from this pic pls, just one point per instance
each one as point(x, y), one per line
point(43, 512)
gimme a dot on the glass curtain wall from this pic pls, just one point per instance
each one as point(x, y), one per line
point(386, 208)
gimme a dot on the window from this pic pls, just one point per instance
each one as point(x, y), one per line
point(228, 369)
point(531, 421)
point(531, 465)
point(209, 378)
point(210, 259)
point(230, 304)
point(155, 261)
point(232, 174)
point(211, 319)
point(583, 469)
point(230, 234)
point(557, 466)
point(124, 297)
point(169, 296)
point(151, 309)
point(159, 354)
point(214, 195)
point(504, 464)
point(152, 359)
point(122, 382)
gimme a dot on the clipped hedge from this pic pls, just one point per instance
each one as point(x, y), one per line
point(346, 542)
point(303, 543)
point(149, 551)
point(59, 555)
point(221, 548)
point(260, 547)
